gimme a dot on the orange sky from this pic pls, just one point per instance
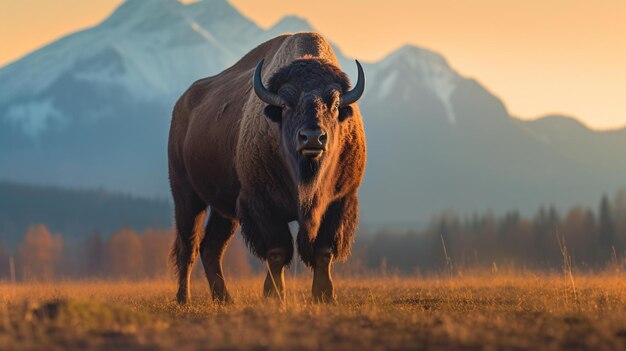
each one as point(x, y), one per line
point(539, 56)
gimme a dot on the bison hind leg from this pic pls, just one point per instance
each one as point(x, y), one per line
point(189, 213)
point(218, 233)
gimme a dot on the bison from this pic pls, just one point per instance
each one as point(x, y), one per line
point(265, 154)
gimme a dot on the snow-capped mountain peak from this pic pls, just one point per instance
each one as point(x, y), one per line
point(93, 109)
point(415, 56)
point(292, 24)
point(146, 49)
point(424, 68)
point(289, 24)
point(212, 10)
point(144, 15)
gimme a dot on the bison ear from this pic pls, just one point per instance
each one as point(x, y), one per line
point(274, 113)
point(345, 112)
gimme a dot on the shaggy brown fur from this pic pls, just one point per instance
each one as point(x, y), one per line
point(230, 151)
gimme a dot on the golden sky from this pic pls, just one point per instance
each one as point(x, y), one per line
point(539, 56)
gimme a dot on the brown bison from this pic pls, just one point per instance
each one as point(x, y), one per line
point(263, 155)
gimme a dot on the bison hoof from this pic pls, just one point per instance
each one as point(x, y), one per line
point(323, 292)
point(222, 297)
point(273, 288)
point(273, 294)
point(324, 297)
point(275, 279)
point(183, 298)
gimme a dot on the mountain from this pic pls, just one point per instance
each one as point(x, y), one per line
point(289, 24)
point(438, 140)
point(92, 110)
point(600, 151)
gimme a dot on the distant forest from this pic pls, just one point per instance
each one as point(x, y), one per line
point(588, 239)
point(75, 213)
point(45, 256)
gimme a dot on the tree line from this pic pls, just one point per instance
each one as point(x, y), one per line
point(45, 256)
point(592, 238)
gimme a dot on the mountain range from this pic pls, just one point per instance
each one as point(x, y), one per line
point(92, 109)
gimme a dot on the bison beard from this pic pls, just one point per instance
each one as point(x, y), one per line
point(308, 169)
point(264, 157)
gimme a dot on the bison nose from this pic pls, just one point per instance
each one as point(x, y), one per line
point(311, 142)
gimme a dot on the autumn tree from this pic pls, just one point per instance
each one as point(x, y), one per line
point(124, 255)
point(155, 247)
point(40, 253)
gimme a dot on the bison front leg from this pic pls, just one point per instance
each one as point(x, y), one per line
point(269, 239)
point(333, 241)
point(274, 285)
point(323, 290)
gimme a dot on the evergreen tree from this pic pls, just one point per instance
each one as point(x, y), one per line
point(606, 229)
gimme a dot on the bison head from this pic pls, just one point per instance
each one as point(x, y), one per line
point(309, 99)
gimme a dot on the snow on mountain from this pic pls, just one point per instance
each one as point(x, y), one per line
point(289, 24)
point(33, 117)
point(92, 110)
point(148, 49)
point(225, 24)
point(409, 68)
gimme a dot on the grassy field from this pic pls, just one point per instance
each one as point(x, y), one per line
point(472, 312)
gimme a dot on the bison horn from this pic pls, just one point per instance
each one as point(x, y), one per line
point(265, 95)
point(355, 94)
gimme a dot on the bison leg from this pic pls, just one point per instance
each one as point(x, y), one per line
point(323, 290)
point(269, 239)
point(274, 285)
point(333, 241)
point(219, 231)
point(189, 215)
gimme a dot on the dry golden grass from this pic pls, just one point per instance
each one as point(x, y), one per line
point(474, 312)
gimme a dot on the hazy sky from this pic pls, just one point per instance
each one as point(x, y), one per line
point(539, 56)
